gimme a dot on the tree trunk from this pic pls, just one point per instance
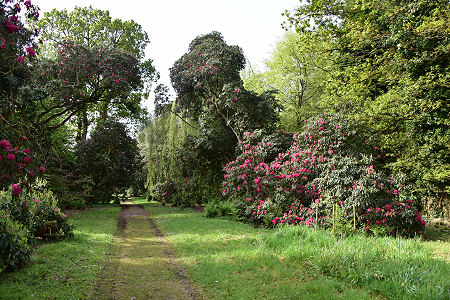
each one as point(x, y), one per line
point(104, 112)
point(85, 124)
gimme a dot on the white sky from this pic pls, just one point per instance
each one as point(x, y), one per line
point(254, 25)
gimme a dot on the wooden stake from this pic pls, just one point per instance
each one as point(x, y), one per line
point(354, 217)
point(317, 215)
point(334, 216)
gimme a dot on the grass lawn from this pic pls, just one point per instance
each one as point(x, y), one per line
point(66, 269)
point(231, 260)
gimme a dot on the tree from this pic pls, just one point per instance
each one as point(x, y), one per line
point(209, 88)
point(162, 101)
point(392, 75)
point(77, 77)
point(93, 28)
point(111, 158)
point(298, 71)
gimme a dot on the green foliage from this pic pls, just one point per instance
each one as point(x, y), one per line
point(391, 75)
point(110, 158)
point(210, 89)
point(231, 260)
point(32, 215)
point(92, 27)
point(38, 211)
point(298, 71)
point(15, 246)
point(194, 191)
point(216, 208)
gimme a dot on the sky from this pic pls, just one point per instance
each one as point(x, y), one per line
point(254, 25)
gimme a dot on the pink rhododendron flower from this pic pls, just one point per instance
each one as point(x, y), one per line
point(21, 59)
point(16, 190)
point(11, 157)
point(42, 169)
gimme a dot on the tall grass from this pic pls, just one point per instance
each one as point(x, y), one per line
point(231, 260)
point(397, 268)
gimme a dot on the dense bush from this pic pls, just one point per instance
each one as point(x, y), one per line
point(15, 245)
point(38, 211)
point(32, 215)
point(329, 164)
point(216, 208)
point(164, 191)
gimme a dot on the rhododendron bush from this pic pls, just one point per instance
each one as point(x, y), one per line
point(24, 218)
point(329, 163)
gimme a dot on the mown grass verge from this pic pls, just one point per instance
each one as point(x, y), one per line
point(66, 269)
point(231, 260)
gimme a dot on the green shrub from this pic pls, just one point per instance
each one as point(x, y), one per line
point(164, 191)
point(15, 245)
point(194, 191)
point(37, 210)
point(216, 208)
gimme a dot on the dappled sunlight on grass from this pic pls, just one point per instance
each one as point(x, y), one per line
point(66, 269)
point(235, 260)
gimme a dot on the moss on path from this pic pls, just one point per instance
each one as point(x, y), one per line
point(142, 265)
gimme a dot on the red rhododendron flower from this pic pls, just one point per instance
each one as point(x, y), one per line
point(5, 145)
point(31, 52)
point(10, 27)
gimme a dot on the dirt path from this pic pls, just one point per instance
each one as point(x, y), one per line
point(142, 265)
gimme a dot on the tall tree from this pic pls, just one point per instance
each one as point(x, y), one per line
point(79, 76)
point(209, 87)
point(94, 28)
point(298, 71)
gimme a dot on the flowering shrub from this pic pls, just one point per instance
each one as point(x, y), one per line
point(396, 218)
point(16, 41)
point(37, 210)
point(330, 163)
point(33, 214)
point(164, 191)
point(250, 179)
